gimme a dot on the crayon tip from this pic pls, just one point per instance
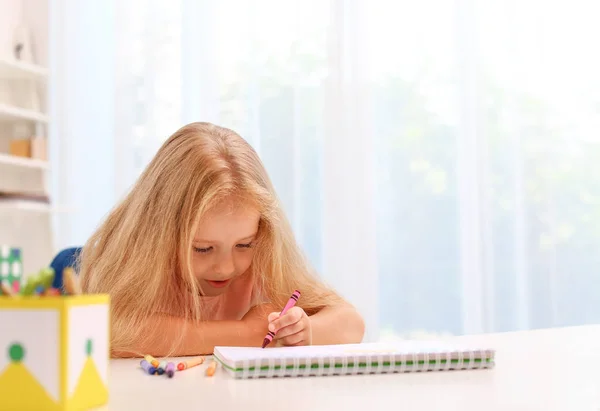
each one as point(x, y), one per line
point(265, 342)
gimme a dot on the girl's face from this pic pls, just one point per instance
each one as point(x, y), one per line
point(223, 246)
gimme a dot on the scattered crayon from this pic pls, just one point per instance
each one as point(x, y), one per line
point(161, 368)
point(170, 370)
point(147, 367)
point(151, 360)
point(189, 364)
point(210, 370)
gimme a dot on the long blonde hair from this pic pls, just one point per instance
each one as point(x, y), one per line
point(141, 254)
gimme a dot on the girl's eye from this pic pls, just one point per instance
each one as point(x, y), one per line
point(202, 250)
point(249, 245)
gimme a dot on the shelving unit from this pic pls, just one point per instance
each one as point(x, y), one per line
point(25, 222)
point(14, 69)
point(22, 205)
point(11, 113)
point(16, 161)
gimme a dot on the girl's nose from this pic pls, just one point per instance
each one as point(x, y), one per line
point(225, 265)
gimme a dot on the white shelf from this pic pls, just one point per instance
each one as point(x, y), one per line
point(31, 206)
point(23, 162)
point(12, 113)
point(15, 69)
point(24, 206)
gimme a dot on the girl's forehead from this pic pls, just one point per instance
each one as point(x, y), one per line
point(229, 207)
point(229, 213)
point(228, 220)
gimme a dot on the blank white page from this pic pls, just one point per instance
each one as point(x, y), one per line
point(342, 350)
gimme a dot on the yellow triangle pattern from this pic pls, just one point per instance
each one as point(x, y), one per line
point(19, 390)
point(90, 390)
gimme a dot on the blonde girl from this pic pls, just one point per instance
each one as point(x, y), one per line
point(200, 254)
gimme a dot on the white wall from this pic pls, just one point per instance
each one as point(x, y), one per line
point(82, 131)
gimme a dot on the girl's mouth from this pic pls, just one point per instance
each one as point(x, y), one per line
point(218, 284)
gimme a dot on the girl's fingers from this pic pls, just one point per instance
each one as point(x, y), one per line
point(294, 315)
point(272, 317)
point(289, 330)
point(294, 339)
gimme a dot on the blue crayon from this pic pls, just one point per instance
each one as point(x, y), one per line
point(147, 367)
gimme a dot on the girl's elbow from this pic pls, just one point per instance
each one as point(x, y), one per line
point(361, 328)
point(358, 328)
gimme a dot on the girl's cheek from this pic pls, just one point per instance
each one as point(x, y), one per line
point(200, 268)
point(244, 262)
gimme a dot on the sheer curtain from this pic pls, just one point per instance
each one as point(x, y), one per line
point(438, 160)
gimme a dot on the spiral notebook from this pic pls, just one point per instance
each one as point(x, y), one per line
point(366, 358)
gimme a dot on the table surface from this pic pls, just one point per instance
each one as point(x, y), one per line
point(554, 369)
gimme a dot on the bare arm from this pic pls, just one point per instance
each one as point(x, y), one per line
point(200, 338)
point(338, 324)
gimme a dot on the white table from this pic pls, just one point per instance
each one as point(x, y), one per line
point(556, 369)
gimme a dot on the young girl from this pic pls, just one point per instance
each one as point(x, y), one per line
point(200, 254)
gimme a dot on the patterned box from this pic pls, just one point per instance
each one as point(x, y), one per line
point(11, 266)
point(54, 352)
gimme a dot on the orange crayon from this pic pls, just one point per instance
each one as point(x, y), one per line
point(210, 371)
point(151, 360)
point(189, 364)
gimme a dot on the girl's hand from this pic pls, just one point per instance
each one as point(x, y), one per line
point(292, 328)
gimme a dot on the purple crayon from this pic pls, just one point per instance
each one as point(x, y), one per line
point(291, 302)
point(147, 367)
point(170, 369)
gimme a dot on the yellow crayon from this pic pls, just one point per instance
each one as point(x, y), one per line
point(151, 360)
point(210, 371)
point(189, 364)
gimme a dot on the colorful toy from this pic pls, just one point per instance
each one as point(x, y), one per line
point(54, 351)
point(11, 267)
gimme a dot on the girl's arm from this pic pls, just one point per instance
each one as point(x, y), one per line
point(200, 338)
point(337, 324)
